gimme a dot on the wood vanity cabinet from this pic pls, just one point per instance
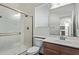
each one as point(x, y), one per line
point(56, 49)
point(69, 50)
point(51, 49)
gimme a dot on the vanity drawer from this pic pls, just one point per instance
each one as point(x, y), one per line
point(69, 51)
point(51, 46)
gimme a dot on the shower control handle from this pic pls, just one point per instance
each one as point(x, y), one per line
point(27, 28)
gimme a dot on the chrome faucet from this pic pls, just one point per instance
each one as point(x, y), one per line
point(62, 37)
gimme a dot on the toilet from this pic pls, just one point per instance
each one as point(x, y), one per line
point(35, 49)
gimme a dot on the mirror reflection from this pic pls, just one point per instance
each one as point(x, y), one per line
point(63, 21)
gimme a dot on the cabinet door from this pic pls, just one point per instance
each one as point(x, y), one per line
point(50, 52)
point(50, 49)
point(69, 51)
point(51, 46)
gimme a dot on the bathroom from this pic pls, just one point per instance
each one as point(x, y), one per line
point(39, 29)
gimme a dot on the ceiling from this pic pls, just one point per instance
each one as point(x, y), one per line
point(62, 10)
point(30, 4)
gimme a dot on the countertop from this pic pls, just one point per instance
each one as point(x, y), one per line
point(71, 42)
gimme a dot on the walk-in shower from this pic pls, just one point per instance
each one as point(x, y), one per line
point(15, 30)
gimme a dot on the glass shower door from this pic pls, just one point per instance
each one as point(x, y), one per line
point(10, 31)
